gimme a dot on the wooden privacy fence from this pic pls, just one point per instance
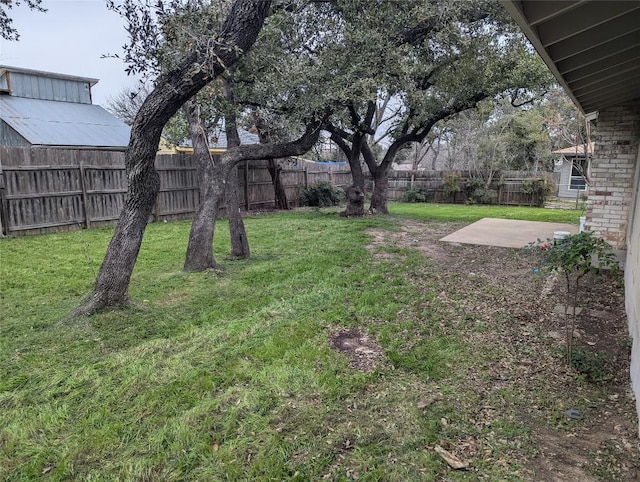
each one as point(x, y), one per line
point(508, 186)
point(44, 190)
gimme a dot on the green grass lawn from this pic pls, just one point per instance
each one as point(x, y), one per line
point(472, 213)
point(229, 376)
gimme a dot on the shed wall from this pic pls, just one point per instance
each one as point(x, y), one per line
point(565, 182)
point(47, 88)
point(9, 137)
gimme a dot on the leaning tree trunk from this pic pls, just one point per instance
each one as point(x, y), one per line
point(355, 192)
point(281, 201)
point(237, 233)
point(112, 283)
point(199, 255)
point(379, 195)
point(240, 30)
point(214, 176)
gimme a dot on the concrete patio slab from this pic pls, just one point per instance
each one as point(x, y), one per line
point(507, 233)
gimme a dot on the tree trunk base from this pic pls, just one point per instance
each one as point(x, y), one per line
point(355, 202)
point(379, 196)
point(199, 267)
point(240, 246)
point(96, 304)
point(378, 210)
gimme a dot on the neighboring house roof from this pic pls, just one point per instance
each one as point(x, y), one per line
point(217, 147)
point(575, 151)
point(52, 123)
point(401, 167)
point(590, 46)
point(317, 166)
point(246, 138)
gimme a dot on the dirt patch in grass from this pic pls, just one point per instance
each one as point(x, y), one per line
point(410, 235)
point(495, 299)
point(363, 352)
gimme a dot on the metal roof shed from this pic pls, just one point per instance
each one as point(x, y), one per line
point(51, 123)
point(48, 109)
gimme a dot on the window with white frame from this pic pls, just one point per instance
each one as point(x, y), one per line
point(578, 172)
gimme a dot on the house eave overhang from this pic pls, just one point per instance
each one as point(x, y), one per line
point(592, 47)
point(514, 8)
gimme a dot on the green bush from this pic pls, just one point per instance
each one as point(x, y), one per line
point(451, 183)
point(321, 195)
point(415, 195)
point(478, 193)
point(540, 188)
point(593, 366)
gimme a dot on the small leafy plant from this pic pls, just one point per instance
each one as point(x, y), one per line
point(321, 195)
point(592, 366)
point(451, 184)
point(414, 195)
point(575, 256)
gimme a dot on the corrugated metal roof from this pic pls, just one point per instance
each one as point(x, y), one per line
point(246, 138)
point(45, 122)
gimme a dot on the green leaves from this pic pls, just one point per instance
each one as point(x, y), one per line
point(580, 254)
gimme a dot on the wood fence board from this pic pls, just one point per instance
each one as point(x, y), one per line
point(57, 189)
point(507, 184)
point(105, 206)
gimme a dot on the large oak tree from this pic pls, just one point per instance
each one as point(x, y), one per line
point(172, 89)
point(394, 68)
point(439, 58)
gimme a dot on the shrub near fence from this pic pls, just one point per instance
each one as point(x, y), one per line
point(511, 187)
point(49, 189)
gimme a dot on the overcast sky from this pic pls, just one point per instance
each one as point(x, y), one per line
point(69, 39)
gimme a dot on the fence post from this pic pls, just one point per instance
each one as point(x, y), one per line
point(247, 205)
point(4, 208)
point(306, 177)
point(156, 208)
point(85, 203)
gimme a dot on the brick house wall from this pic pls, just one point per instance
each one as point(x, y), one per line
point(613, 172)
point(614, 206)
point(632, 287)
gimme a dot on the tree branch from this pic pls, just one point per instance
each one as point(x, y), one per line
point(338, 139)
point(369, 158)
point(273, 151)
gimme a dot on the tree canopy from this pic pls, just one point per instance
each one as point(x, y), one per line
point(390, 69)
